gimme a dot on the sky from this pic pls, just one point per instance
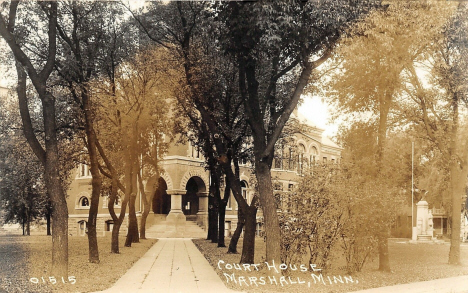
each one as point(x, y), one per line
point(318, 112)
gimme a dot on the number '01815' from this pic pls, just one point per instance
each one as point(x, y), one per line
point(53, 280)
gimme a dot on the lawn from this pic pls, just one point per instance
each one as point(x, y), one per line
point(26, 260)
point(409, 263)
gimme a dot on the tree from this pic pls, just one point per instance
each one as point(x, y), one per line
point(135, 106)
point(371, 63)
point(46, 14)
point(370, 197)
point(436, 111)
point(85, 31)
point(209, 98)
point(22, 195)
point(275, 57)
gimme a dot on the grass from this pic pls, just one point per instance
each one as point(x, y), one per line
point(27, 257)
point(409, 263)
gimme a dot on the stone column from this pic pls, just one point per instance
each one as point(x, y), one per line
point(423, 215)
point(175, 220)
point(202, 215)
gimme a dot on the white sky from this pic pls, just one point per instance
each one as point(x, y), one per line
point(318, 113)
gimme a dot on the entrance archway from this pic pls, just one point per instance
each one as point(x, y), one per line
point(190, 202)
point(161, 200)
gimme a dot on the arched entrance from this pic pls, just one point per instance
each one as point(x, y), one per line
point(190, 202)
point(161, 200)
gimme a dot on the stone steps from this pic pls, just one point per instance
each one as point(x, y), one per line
point(163, 229)
point(427, 238)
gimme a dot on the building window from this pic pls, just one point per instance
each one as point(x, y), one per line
point(278, 186)
point(290, 187)
point(291, 160)
point(227, 229)
point(109, 225)
point(313, 155)
point(244, 187)
point(116, 202)
point(84, 202)
point(194, 152)
point(279, 157)
point(300, 156)
point(82, 228)
point(324, 160)
point(84, 171)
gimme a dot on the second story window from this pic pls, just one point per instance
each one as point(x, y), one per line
point(301, 152)
point(194, 152)
point(83, 168)
point(313, 155)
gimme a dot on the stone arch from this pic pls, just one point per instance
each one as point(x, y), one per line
point(304, 144)
point(79, 197)
point(245, 178)
point(150, 185)
point(196, 174)
point(161, 200)
point(316, 146)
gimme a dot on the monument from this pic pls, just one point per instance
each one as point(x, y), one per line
point(425, 225)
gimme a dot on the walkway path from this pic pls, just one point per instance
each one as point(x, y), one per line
point(172, 265)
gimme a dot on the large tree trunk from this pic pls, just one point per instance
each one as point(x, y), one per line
point(144, 216)
point(212, 219)
point(28, 223)
point(57, 195)
point(96, 181)
point(235, 237)
point(115, 237)
point(132, 234)
point(457, 184)
point(117, 221)
point(268, 206)
point(221, 221)
point(147, 200)
point(248, 247)
point(458, 174)
point(49, 158)
point(222, 212)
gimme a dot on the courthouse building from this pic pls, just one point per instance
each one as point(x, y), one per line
point(182, 192)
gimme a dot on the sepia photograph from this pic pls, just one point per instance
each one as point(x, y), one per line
point(234, 146)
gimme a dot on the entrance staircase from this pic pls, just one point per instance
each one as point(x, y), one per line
point(163, 229)
point(424, 238)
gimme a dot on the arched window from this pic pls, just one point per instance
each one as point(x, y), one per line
point(194, 151)
point(313, 155)
point(278, 157)
point(301, 151)
point(291, 161)
point(244, 187)
point(84, 201)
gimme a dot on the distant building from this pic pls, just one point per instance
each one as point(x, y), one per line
point(183, 187)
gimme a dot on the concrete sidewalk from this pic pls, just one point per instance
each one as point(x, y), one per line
point(447, 285)
point(172, 265)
